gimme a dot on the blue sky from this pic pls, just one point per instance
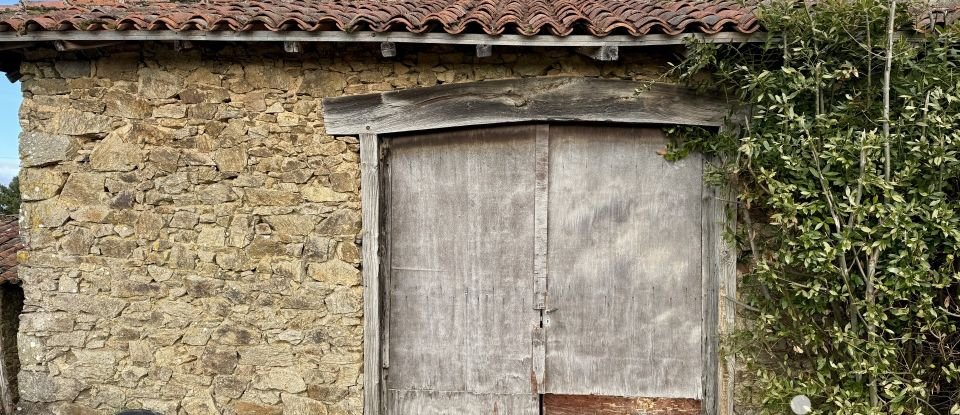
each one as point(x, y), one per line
point(10, 97)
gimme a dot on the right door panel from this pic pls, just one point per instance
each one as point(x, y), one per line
point(623, 311)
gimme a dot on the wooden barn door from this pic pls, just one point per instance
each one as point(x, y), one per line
point(623, 318)
point(459, 312)
point(541, 270)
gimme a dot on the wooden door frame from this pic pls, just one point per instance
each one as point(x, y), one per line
point(372, 117)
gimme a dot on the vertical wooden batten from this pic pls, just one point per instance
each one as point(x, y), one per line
point(727, 275)
point(370, 205)
point(719, 282)
point(541, 194)
point(710, 228)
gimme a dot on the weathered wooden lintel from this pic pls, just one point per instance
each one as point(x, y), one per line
point(521, 100)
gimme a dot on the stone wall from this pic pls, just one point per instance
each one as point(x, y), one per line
point(192, 232)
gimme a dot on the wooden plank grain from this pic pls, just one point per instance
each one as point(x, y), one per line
point(428, 402)
point(541, 215)
point(624, 266)
point(370, 211)
point(720, 284)
point(521, 100)
point(724, 258)
point(461, 257)
point(712, 236)
point(616, 405)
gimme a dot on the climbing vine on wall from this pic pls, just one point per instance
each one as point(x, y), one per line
point(849, 229)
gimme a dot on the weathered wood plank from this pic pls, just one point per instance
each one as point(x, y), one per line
point(370, 206)
point(540, 216)
point(725, 258)
point(538, 356)
point(520, 100)
point(461, 226)
point(384, 262)
point(710, 294)
point(616, 405)
point(540, 220)
point(719, 267)
point(624, 265)
point(426, 402)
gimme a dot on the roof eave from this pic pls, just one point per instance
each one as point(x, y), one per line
point(13, 40)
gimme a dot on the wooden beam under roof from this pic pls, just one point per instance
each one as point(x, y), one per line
point(394, 37)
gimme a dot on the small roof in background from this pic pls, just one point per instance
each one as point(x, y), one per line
point(493, 17)
point(9, 246)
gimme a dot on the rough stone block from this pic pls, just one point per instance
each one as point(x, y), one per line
point(298, 405)
point(38, 149)
point(322, 194)
point(158, 83)
point(40, 183)
point(83, 303)
point(344, 301)
point(291, 224)
point(184, 220)
point(218, 361)
point(116, 152)
point(41, 387)
point(250, 408)
point(280, 379)
point(340, 223)
point(77, 242)
point(73, 69)
point(124, 105)
point(262, 197)
point(83, 189)
point(46, 322)
point(73, 122)
point(276, 355)
point(211, 237)
point(49, 213)
point(335, 272)
point(230, 387)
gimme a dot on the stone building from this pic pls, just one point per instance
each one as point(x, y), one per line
point(266, 207)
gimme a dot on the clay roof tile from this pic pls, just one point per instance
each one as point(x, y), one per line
point(528, 17)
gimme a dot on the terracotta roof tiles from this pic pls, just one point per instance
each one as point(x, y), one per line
point(494, 17)
point(9, 246)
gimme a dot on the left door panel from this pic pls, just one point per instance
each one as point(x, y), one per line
point(459, 288)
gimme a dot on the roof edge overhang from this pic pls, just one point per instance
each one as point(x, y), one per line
point(13, 40)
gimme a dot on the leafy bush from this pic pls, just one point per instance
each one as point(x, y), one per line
point(849, 235)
